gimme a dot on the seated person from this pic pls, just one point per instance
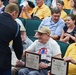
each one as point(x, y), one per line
point(67, 4)
point(39, 12)
point(73, 5)
point(26, 42)
point(69, 30)
point(54, 22)
point(71, 55)
point(70, 60)
point(60, 5)
point(29, 7)
point(45, 46)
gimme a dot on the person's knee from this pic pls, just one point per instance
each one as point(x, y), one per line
point(33, 73)
point(13, 71)
point(24, 71)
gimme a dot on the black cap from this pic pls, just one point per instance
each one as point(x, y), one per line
point(31, 4)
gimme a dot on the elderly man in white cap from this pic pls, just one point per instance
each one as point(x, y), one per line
point(26, 42)
point(45, 46)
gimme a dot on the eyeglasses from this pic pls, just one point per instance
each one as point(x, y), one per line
point(40, 34)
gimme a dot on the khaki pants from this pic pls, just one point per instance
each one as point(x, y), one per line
point(14, 70)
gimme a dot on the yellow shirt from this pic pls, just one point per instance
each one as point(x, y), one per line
point(67, 4)
point(63, 15)
point(23, 15)
point(71, 52)
point(42, 12)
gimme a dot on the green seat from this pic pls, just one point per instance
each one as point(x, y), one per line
point(23, 20)
point(32, 25)
point(19, 1)
point(67, 10)
point(63, 47)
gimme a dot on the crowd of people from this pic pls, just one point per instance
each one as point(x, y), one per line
point(55, 24)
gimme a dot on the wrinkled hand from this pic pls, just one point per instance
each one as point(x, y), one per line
point(69, 59)
point(43, 65)
point(20, 63)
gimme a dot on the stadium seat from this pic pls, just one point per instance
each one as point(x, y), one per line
point(23, 20)
point(63, 47)
point(67, 10)
point(31, 25)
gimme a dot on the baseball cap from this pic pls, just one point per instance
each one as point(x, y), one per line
point(44, 29)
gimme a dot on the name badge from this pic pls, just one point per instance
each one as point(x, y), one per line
point(43, 56)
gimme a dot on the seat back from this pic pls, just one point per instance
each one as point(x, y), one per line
point(63, 47)
point(22, 20)
point(67, 10)
point(32, 25)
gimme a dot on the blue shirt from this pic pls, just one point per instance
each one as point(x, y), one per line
point(56, 28)
point(47, 2)
point(26, 43)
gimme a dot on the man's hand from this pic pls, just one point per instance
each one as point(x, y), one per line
point(20, 63)
point(43, 65)
point(70, 60)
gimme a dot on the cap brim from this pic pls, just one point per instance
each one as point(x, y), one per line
point(39, 31)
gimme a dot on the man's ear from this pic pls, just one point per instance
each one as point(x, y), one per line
point(13, 13)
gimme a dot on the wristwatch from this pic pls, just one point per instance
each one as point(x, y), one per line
point(49, 64)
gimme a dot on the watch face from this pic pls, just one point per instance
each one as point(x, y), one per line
point(49, 64)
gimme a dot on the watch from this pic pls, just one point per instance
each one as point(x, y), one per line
point(49, 64)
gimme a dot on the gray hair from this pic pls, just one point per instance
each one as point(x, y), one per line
point(55, 10)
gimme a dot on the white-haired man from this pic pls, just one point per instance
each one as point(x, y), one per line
point(45, 46)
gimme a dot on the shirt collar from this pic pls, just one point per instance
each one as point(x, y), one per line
point(25, 41)
point(41, 6)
